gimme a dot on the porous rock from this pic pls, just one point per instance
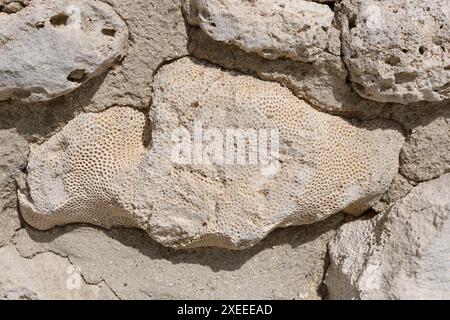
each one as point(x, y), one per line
point(399, 254)
point(292, 29)
point(325, 164)
point(397, 51)
point(49, 48)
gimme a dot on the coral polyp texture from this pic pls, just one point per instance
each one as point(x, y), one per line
point(82, 173)
point(49, 48)
point(183, 187)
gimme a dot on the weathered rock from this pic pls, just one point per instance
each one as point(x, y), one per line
point(13, 6)
point(323, 164)
point(50, 48)
point(391, 59)
point(426, 155)
point(13, 158)
point(292, 29)
point(288, 264)
point(157, 35)
point(322, 83)
point(399, 254)
point(398, 189)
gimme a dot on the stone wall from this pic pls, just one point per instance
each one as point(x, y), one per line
point(353, 203)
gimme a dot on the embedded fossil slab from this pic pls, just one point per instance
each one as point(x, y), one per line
point(398, 50)
point(231, 158)
point(293, 29)
point(49, 48)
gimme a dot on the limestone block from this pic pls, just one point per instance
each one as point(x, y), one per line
point(49, 48)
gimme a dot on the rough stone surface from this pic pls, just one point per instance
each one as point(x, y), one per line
point(288, 264)
point(292, 29)
point(13, 158)
point(398, 189)
point(13, 6)
point(322, 83)
point(405, 245)
point(400, 254)
point(52, 47)
point(425, 154)
point(391, 59)
point(157, 35)
point(113, 180)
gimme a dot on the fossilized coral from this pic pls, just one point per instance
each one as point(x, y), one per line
point(97, 169)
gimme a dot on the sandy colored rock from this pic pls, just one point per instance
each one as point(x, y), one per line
point(391, 59)
point(399, 254)
point(314, 174)
point(425, 154)
point(292, 29)
point(13, 158)
point(50, 48)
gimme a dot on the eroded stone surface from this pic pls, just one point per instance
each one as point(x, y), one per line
point(399, 254)
point(325, 164)
point(322, 83)
point(292, 29)
point(50, 48)
point(391, 59)
point(157, 35)
point(425, 154)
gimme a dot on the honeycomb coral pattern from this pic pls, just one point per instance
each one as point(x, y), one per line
point(83, 173)
point(326, 164)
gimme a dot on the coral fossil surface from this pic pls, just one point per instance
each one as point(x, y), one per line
point(314, 135)
point(97, 169)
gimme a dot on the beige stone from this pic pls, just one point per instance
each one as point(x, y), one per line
point(292, 29)
point(397, 50)
point(50, 48)
point(399, 254)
